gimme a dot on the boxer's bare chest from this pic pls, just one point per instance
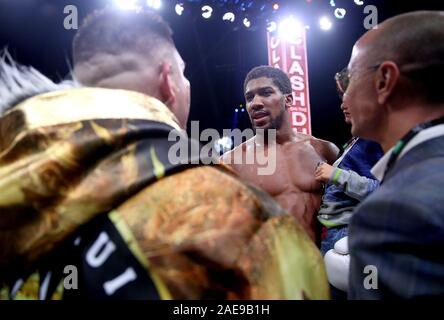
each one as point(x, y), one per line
point(293, 172)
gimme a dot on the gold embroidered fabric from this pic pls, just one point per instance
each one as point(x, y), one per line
point(68, 156)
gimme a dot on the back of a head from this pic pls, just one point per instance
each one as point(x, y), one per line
point(415, 41)
point(114, 33)
point(280, 78)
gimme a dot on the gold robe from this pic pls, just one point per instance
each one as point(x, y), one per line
point(70, 156)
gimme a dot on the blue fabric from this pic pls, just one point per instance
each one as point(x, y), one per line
point(337, 204)
point(361, 158)
point(399, 229)
point(333, 236)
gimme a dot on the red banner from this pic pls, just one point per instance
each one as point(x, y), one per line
point(291, 57)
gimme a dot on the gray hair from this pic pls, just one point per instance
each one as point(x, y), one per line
point(19, 82)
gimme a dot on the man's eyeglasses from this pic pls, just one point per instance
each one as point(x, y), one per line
point(419, 71)
point(342, 79)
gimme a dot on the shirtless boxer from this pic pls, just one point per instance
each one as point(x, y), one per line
point(268, 97)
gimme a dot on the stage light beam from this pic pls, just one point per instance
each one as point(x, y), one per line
point(126, 4)
point(207, 11)
point(155, 4)
point(223, 144)
point(271, 26)
point(325, 23)
point(340, 13)
point(179, 9)
point(247, 23)
point(229, 16)
point(290, 29)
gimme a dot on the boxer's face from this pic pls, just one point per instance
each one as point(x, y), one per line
point(266, 104)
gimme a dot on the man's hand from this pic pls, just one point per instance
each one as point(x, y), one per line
point(323, 172)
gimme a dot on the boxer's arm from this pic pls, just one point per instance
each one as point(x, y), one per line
point(326, 149)
point(225, 163)
point(231, 158)
point(225, 158)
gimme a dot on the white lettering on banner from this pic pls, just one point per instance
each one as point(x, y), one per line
point(293, 54)
point(274, 57)
point(275, 42)
point(297, 83)
point(298, 118)
point(301, 130)
point(297, 41)
point(296, 68)
point(300, 99)
point(290, 57)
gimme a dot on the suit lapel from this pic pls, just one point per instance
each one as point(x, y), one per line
point(426, 150)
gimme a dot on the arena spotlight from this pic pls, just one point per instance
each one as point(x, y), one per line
point(207, 11)
point(340, 13)
point(126, 4)
point(179, 9)
point(290, 29)
point(325, 23)
point(332, 3)
point(359, 2)
point(229, 16)
point(223, 144)
point(155, 4)
point(276, 6)
point(271, 26)
point(247, 23)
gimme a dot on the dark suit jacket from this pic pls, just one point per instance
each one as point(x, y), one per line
point(399, 229)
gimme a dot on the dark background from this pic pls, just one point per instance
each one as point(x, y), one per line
point(218, 53)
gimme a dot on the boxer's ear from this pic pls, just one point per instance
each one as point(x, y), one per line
point(167, 89)
point(288, 100)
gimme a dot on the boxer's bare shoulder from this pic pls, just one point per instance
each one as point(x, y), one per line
point(229, 157)
point(326, 149)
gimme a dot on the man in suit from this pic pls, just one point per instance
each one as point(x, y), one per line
point(396, 235)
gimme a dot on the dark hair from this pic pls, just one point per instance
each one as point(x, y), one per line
point(279, 78)
point(116, 31)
